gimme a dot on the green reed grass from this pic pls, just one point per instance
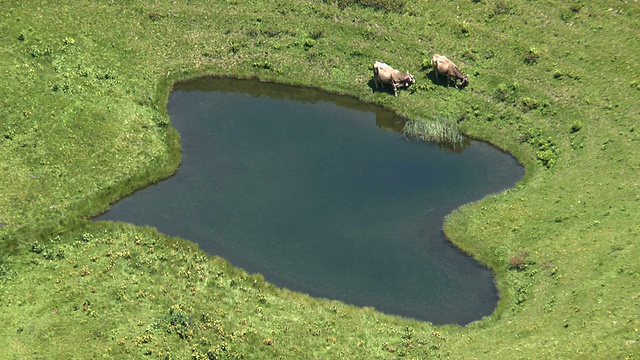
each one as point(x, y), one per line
point(443, 132)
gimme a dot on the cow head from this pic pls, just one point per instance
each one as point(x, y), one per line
point(408, 80)
point(465, 80)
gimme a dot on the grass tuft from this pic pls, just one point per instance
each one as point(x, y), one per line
point(441, 132)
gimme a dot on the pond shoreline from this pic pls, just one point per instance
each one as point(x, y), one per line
point(199, 143)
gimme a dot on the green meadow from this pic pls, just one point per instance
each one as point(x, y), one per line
point(83, 122)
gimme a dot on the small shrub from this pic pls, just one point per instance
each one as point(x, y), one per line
point(84, 71)
point(517, 263)
point(68, 41)
point(5, 270)
point(559, 75)
point(547, 152)
point(532, 56)
point(577, 125)
point(465, 29)
point(568, 14)
point(529, 104)
point(264, 64)
point(575, 144)
point(520, 261)
point(315, 34)
point(426, 64)
point(108, 75)
point(234, 47)
point(37, 52)
point(309, 43)
point(502, 92)
point(387, 347)
point(9, 134)
point(423, 87)
point(576, 7)
point(37, 248)
point(60, 254)
point(161, 121)
point(47, 254)
point(180, 321)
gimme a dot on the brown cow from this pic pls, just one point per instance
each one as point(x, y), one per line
point(444, 66)
point(385, 74)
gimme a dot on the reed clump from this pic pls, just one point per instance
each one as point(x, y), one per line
point(439, 131)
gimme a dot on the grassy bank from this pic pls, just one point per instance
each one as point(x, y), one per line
point(83, 121)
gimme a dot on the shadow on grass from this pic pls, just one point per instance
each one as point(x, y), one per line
point(431, 75)
point(386, 88)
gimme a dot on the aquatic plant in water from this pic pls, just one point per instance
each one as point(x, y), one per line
point(444, 132)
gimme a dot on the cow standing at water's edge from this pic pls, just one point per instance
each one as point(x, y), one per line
point(385, 74)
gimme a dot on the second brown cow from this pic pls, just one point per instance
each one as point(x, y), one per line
point(444, 66)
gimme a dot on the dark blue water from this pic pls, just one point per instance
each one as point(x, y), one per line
point(307, 189)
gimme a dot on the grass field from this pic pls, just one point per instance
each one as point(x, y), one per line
point(83, 122)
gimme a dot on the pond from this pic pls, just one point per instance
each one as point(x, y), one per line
point(321, 194)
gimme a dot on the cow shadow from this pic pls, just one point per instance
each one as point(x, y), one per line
point(431, 75)
point(386, 88)
point(383, 87)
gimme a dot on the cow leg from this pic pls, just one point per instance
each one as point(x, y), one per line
point(395, 88)
point(455, 81)
point(375, 79)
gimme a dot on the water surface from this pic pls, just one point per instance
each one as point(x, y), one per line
point(313, 191)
